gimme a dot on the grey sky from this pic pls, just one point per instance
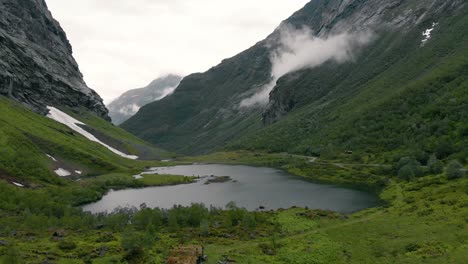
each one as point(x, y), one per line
point(124, 44)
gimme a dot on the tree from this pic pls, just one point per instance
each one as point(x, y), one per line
point(408, 168)
point(436, 166)
point(406, 172)
point(454, 170)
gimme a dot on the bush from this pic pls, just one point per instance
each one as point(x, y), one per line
point(134, 245)
point(66, 245)
point(205, 227)
point(11, 256)
point(408, 168)
point(249, 221)
point(406, 173)
point(435, 165)
point(454, 170)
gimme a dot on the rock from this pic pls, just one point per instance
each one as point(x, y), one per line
point(37, 68)
point(103, 251)
point(58, 234)
point(219, 179)
point(4, 243)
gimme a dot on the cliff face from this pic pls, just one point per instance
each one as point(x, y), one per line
point(36, 63)
point(131, 101)
point(204, 113)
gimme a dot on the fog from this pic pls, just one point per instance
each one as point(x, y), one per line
point(299, 49)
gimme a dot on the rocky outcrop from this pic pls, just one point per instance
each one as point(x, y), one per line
point(130, 102)
point(36, 63)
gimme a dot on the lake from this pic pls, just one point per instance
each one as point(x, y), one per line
point(251, 187)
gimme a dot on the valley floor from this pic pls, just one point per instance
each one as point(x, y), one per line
point(421, 221)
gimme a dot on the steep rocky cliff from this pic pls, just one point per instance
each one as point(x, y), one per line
point(206, 110)
point(128, 104)
point(36, 63)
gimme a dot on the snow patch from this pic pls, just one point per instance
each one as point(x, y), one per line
point(78, 172)
point(72, 123)
point(18, 184)
point(136, 177)
point(427, 34)
point(62, 172)
point(52, 158)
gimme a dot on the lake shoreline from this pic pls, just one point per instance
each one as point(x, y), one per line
point(239, 188)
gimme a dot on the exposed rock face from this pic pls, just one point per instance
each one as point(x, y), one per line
point(130, 102)
point(36, 63)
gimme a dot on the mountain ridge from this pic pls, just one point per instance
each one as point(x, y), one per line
point(128, 104)
point(37, 67)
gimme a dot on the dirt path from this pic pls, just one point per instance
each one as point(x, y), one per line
point(313, 160)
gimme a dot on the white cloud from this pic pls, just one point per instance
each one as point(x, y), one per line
point(299, 49)
point(121, 44)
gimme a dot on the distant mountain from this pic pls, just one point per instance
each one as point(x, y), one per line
point(337, 75)
point(37, 68)
point(130, 102)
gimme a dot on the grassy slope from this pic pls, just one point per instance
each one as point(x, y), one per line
point(122, 139)
point(27, 137)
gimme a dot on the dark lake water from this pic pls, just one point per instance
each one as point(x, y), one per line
point(251, 187)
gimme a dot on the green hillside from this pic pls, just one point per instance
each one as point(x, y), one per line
point(27, 138)
point(416, 106)
point(394, 96)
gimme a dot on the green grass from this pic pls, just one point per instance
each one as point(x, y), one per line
point(422, 221)
point(126, 141)
point(164, 179)
point(424, 224)
point(26, 138)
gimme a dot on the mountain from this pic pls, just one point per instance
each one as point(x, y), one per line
point(130, 102)
point(51, 123)
point(336, 76)
point(36, 63)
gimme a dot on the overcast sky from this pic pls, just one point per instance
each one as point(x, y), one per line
point(125, 44)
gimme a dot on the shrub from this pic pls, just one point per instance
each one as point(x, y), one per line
point(454, 170)
point(435, 165)
point(406, 173)
point(11, 256)
point(205, 227)
point(408, 168)
point(66, 245)
point(249, 221)
point(134, 245)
